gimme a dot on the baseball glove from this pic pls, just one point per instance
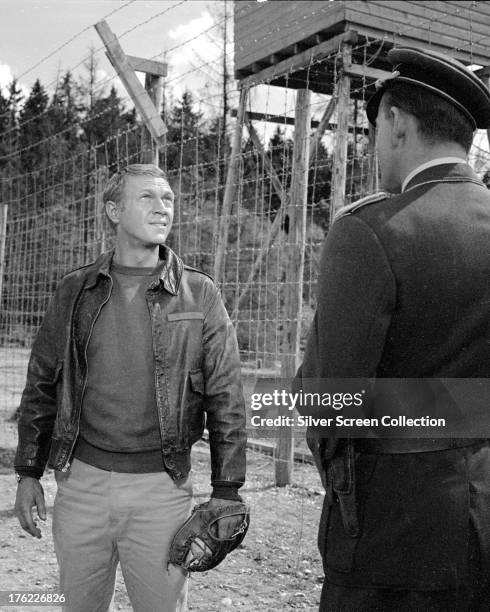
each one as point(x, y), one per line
point(197, 545)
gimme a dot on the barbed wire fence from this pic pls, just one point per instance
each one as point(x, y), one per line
point(54, 224)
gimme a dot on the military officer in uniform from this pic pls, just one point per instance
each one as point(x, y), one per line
point(404, 292)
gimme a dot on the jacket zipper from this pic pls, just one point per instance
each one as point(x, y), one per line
point(66, 467)
point(155, 376)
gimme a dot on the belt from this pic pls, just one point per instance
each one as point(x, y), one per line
point(413, 445)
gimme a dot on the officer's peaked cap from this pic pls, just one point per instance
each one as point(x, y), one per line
point(440, 74)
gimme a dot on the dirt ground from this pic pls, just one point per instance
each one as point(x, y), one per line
point(277, 567)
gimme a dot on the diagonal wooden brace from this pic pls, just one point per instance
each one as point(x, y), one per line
point(124, 67)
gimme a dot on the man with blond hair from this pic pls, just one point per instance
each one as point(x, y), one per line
point(135, 354)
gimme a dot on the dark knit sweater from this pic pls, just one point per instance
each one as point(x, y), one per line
point(119, 427)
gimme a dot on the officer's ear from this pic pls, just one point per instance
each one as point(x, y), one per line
point(400, 121)
point(113, 210)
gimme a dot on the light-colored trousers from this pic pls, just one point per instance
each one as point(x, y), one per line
point(102, 518)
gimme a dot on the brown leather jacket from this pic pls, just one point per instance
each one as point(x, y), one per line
point(197, 371)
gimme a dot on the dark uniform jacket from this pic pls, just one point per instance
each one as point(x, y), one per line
point(404, 291)
point(197, 371)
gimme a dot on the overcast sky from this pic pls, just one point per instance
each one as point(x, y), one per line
point(30, 30)
point(45, 38)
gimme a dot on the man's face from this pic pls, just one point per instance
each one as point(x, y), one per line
point(146, 211)
point(387, 153)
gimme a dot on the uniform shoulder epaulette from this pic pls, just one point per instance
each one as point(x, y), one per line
point(358, 204)
point(186, 267)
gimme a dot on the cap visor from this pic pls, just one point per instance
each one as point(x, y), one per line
point(372, 106)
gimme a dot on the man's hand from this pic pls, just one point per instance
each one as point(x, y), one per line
point(30, 494)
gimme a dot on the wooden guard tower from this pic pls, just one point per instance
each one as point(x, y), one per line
point(291, 44)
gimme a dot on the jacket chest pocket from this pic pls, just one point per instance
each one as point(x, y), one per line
point(182, 339)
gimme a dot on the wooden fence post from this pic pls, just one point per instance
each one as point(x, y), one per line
point(339, 170)
point(295, 245)
point(101, 222)
point(149, 149)
point(3, 238)
point(230, 189)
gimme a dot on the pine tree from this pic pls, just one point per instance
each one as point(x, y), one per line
point(89, 91)
point(185, 120)
point(4, 125)
point(12, 136)
point(185, 141)
point(106, 120)
point(319, 185)
point(280, 151)
point(34, 129)
point(64, 112)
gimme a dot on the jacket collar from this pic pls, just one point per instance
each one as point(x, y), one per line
point(444, 173)
point(170, 276)
point(437, 161)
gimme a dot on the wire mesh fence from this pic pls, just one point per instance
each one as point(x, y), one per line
point(54, 222)
point(50, 189)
